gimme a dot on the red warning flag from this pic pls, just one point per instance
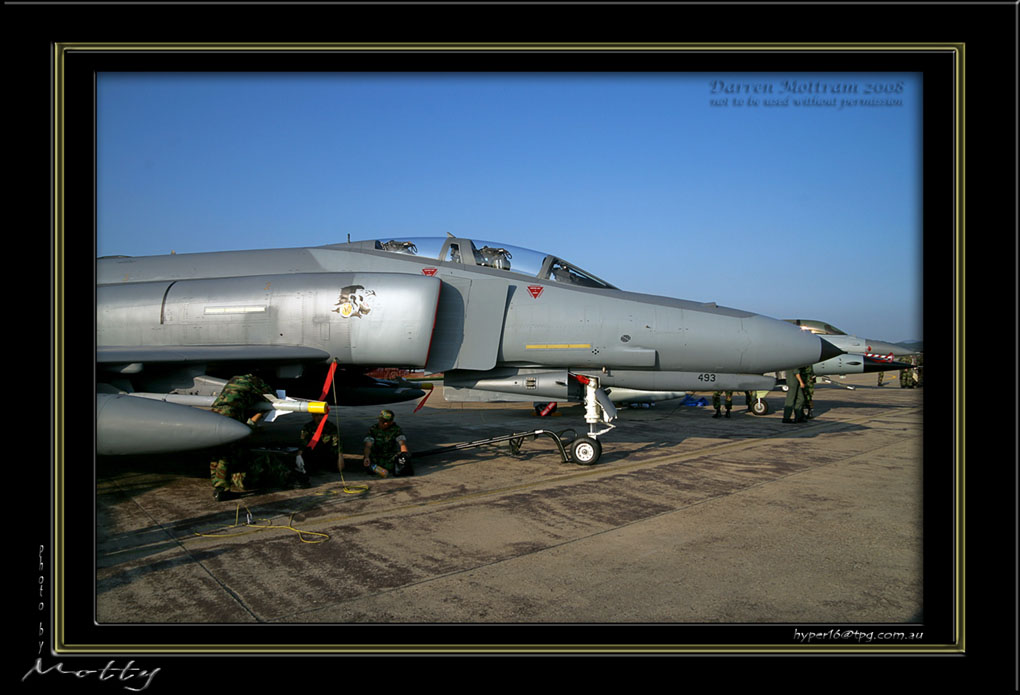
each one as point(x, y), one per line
point(422, 401)
point(329, 381)
point(325, 390)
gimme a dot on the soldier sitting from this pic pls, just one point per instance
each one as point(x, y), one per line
point(328, 451)
point(384, 441)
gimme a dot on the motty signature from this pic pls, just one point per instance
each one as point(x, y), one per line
point(124, 674)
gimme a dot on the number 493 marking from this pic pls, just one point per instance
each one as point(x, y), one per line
point(706, 377)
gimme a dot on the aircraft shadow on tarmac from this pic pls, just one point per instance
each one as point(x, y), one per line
point(138, 476)
point(655, 429)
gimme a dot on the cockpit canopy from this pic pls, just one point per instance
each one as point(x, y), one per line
point(816, 327)
point(490, 255)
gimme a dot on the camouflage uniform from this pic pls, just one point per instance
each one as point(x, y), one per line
point(239, 397)
point(716, 402)
point(385, 443)
point(230, 457)
point(237, 400)
point(809, 389)
point(907, 375)
point(794, 405)
point(328, 451)
point(264, 470)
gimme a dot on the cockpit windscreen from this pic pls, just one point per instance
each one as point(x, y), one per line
point(490, 254)
point(816, 327)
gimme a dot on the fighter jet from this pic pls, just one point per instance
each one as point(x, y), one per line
point(875, 349)
point(501, 322)
point(862, 356)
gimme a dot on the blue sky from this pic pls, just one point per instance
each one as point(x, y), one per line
point(805, 204)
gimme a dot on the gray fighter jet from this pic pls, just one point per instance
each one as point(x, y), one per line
point(868, 347)
point(502, 323)
point(861, 356)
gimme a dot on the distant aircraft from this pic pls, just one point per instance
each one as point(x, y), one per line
point(500, 322)
point(862, 355)
point(868, 347)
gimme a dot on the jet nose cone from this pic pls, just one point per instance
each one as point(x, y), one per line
point(777, 345)
point(828, 350)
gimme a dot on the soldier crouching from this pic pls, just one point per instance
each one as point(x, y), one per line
point(238, 401)
point(384, 441)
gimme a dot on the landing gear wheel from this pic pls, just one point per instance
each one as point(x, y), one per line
point(585, 451)
point(760, 407)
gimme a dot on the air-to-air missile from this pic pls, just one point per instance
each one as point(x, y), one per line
point(497, 320)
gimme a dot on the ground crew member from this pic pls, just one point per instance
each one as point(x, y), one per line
point(881, 378)
point(794, 405)
point(907, 375)
point(266, 469)
point(716, 402)
point(809, 391)
point(238, 401)
point(384, 441)
point(328, 451)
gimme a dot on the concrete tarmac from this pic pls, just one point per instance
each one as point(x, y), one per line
point(685, 519)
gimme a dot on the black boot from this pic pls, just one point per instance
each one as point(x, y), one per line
point(787, 412)
point(716, 413)
point(727, 412)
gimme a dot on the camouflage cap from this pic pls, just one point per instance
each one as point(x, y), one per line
point(386, 415)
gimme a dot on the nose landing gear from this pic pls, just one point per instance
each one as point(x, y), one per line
point(598, 409)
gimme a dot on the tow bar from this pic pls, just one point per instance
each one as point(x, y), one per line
point(517, 439)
